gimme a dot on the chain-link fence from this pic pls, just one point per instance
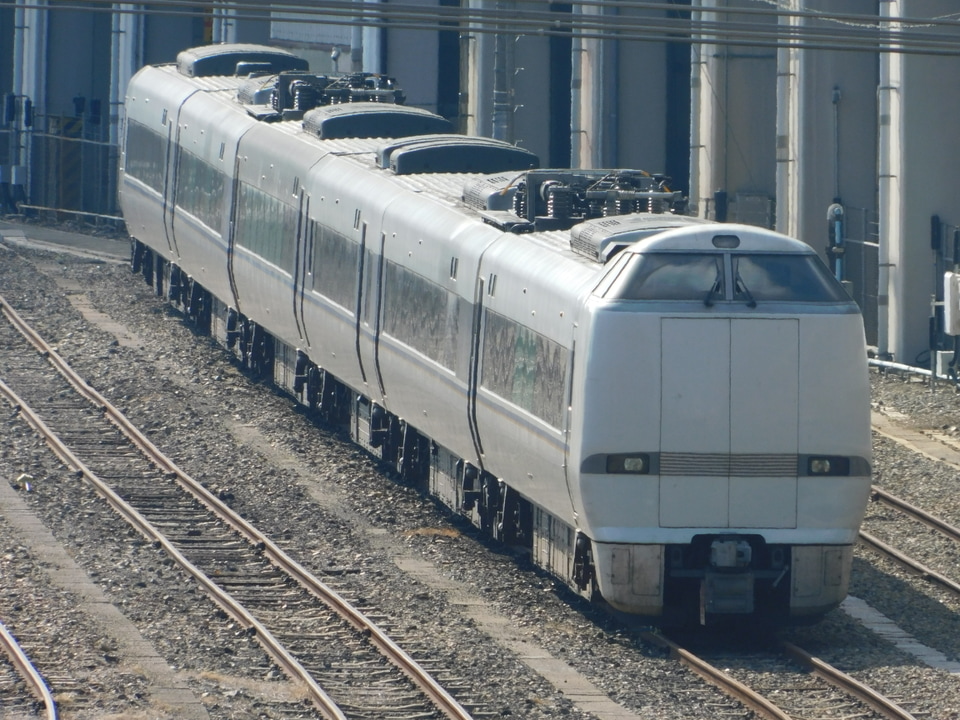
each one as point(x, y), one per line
point(862, 264)
point(73, 166)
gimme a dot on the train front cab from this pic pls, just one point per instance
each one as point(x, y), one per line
point(725, 464)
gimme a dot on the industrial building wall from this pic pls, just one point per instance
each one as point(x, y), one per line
point(6, 90)
point(765, 135)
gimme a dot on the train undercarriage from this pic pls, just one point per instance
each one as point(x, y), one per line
point(487, 502)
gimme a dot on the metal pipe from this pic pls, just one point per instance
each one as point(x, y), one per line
point(357, 45)
point(890, 365)
point(576, 83)
point(481, 59)
point(836, 141)
point(502, 72)
point(224, 28)
point(374, 47)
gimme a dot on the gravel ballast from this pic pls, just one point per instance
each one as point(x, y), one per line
point(332, 508)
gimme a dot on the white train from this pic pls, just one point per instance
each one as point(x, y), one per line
point(671, 414)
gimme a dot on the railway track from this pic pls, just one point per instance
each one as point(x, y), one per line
point(348, 665)
point(22, 687)
point(943, 451)
point(784, 682)
point(949, 532)
point(738, 711)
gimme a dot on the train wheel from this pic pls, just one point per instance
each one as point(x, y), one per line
point(137, 250)
point(515, 519)
point(489, 504)
point(146, 265)
point(158, 274)
point(584, 574)
point(412, 458)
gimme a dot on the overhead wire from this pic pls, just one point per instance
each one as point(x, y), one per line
point(813, 30)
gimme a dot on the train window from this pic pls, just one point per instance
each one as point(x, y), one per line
point(785, 278)
point(524, 367)
point(671, 276)
point(266, 226)
point(199, 189)
point(421, 314)
point(335, 259)
point(145, 155)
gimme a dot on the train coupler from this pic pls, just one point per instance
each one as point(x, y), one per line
point(726, 594)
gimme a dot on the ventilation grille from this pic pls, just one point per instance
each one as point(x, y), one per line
point(726, 465)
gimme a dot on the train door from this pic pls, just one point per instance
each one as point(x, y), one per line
point(302, 265)
point(473, 376)
point(232, 229)
point(170, 186)
point(729, 422)
point(377, 295)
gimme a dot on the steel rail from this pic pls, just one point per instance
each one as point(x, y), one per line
point(847, 684)
point(327, 707)
point(28, 672)
point(916, 513)
point(445, 702)
point(874, 543)
point(715, 676)
point(826, 672)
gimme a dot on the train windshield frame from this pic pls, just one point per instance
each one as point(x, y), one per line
point(743, 277)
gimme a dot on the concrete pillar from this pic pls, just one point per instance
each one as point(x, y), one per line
point(734, 129)
point(707, 168)
point(595, 114)
point(919, 157)
point(126, 57)
point(479, 77)
point(827, 125)
point(789, 113)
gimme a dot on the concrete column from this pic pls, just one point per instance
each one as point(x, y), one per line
point(735, 132)
point(479, 80)
point(827, 124)
point(126, 57)
point(707, 156)
point(29, 82)
point(789, 112)
point(919, 160)
point(596, 113)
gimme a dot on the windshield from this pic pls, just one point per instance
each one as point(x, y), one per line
point(670, 276)
point(791, 278)
point(749, 278)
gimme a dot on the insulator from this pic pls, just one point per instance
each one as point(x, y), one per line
point(559, 203)
point(520, 201)
point(305, 96)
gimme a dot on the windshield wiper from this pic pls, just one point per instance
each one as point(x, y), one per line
point(741, 289)
point(715, 290)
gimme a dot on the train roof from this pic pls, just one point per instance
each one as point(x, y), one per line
point(237, 59)
point(594, 214)
point(712, 236)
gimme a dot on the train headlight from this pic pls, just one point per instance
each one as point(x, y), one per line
point(828, 465)
point(632, 463)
